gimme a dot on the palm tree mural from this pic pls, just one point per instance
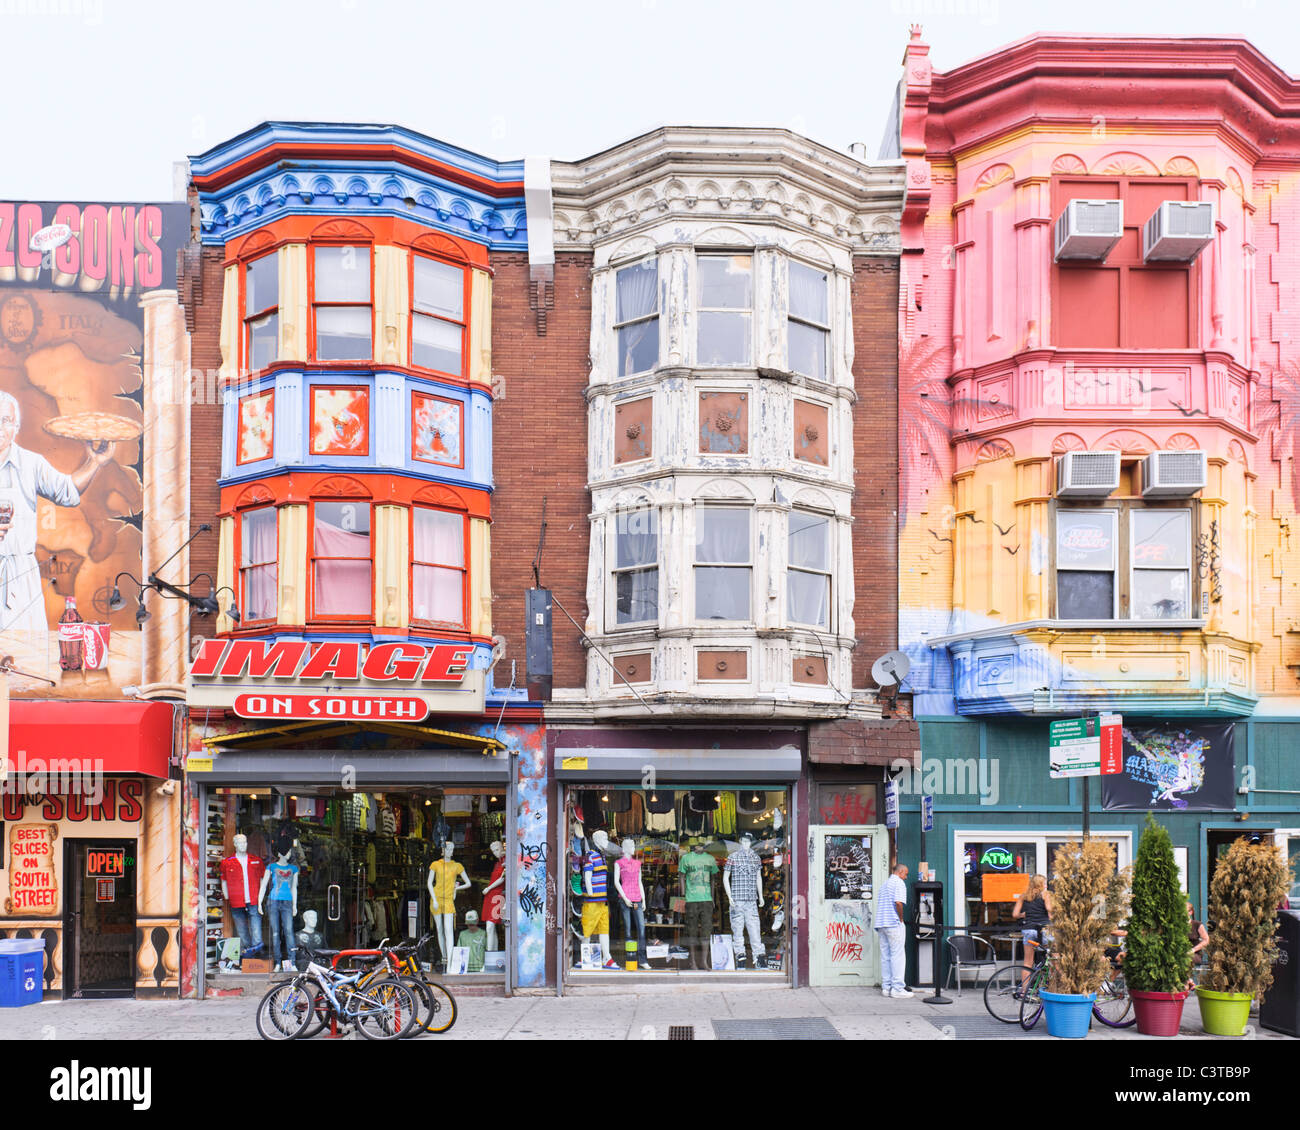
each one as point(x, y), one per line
point(925, 412)
point(1277, 419)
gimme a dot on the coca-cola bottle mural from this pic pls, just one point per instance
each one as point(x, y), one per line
point(71, 637)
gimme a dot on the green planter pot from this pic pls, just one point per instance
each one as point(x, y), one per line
point(1224, 1014)
point(1068, 1014)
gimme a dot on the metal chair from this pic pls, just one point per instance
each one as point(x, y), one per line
point(964, 953)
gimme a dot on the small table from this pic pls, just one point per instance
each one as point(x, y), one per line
point(1014, 939)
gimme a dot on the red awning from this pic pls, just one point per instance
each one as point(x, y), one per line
point(126, 737)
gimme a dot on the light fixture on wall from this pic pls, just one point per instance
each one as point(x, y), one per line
point(204, 605)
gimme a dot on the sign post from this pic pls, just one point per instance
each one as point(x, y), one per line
point(1086, 747)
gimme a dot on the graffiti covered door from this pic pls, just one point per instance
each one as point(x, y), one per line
point(848, 863)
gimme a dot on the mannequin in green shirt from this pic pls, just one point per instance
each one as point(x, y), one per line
point(696, 870)
point(474, 939)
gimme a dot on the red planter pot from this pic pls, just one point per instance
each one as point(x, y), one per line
point(1158, 1014)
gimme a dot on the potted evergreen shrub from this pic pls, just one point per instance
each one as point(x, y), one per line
point(1249, 884)
point(1089, 899)
point(1158, 958)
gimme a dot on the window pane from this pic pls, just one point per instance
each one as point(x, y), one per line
point(808, 541)
point(638, 347)
point(810, 598)
point(808, 350)
point(721, 594)
point(439, 288)
point(257, 541)
point(342, 274)
point(636, 538)
point(438, 594)
point(721, 534)
point(341, 588)
point(259, 592)
point(725, 280)
point(724, 339)
point(1160, 594)
point(637, 596)
point(344, 517)
point(262, 284)
point(263, 341)
point(439, 537)
point(1162, 539)
point(343, 333)
point(808, 294)
point(1085, 540)
point(1085, 596)
point(436, 344)
point(637, 291)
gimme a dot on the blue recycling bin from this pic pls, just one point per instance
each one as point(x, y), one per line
point(22, 971)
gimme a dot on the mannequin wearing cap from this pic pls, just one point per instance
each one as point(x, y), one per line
point(742, 879)
point(281, 879)
point(241, 880)
point(696, 870)
point(595, 889)
point(446, 877)
point(474, 939)
point(627, 881)
point(494, 895)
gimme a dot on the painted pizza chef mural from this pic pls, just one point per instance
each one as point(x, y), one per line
point(73, 414)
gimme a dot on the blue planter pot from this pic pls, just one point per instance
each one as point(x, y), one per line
point(1068, 1014)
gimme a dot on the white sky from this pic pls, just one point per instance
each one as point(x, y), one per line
point(101, 96)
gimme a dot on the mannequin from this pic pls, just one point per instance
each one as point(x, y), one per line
point(494, 895)
point(309, 936)
point(742, 879)
point(446, 877)
point(282, 879)
point(595, 891)
point(241, 879)
point(627, 881)
point(473, 939)
point(696, 870)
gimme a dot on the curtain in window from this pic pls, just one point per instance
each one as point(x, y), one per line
point(721, 535)
point(637, 297)
point(808, 294)
point(809, 593)
point(341, 588)
point(259, 552)
point(438, 593)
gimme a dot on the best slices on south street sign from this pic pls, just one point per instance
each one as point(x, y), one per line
point(1086, 747)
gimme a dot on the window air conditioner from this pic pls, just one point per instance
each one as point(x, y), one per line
point(1087, 474)
point(1088, 229)
point(1173, 474)
point(1177, 231)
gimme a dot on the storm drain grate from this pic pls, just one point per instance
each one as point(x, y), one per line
point(681, 1031)
point(987, 1028)
point(784, 1028)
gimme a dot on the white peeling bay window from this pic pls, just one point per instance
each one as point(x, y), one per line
point(636, 567)
point(808, 576)
point(726, 301)
point(636, 317)
point(809, 322)
point(723, 563)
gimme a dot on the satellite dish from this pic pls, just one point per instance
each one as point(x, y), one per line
point(891, 668)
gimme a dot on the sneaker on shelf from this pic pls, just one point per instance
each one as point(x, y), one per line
point(902, 994)
point(645, 965)
point(612, 964)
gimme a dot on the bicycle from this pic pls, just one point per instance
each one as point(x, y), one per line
point(439, 1004)
point(379, 1010)
point(1013, 994)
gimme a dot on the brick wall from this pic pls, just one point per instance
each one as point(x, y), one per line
point(875, 460)
point(539, 449)
point(869, 742)
point(204, 321)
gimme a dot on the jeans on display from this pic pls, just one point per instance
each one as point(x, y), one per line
point(699, 925)
point(281, 916)
point(634, 915)
point(248, 925)
point(744, 919)
point(893, 957)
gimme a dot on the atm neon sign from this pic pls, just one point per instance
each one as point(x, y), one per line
point(998, 858)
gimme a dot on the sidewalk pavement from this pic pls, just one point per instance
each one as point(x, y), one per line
point(586, 1014)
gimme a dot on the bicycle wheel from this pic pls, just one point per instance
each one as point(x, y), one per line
point(384, 1011)
point(1113, 1006)
point(322, 1013)
point(1031, 1004)
point(286, 1010)
point(423, 1005)
point(440, 1013)
point(1001, 993)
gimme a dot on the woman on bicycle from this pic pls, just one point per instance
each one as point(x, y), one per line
point(1034, 906)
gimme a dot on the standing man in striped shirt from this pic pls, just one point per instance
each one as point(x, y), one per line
point(891, 905)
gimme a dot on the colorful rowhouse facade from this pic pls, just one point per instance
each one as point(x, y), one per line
point(1096, 487)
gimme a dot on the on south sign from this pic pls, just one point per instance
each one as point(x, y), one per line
point(347, 708)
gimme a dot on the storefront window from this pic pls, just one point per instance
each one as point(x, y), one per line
point(694, 864)
point(345, 870)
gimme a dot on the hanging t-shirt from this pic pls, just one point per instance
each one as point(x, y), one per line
point(697, 869)
point(595, 869)
point(724, 822)
point(457, 804)
point(282, 876)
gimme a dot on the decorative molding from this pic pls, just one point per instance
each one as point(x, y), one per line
point(432, 243)
point(1069, 163)
point(1124, 164)
point(994, 449)
point(254, 495)
point(1181, 441)
point(340, 486)
point(435, 494)
point(1068, 441)
point(1127, 441)
point(1237, 453)
point(255, 243)
point(724, 488)
point(342, 229)
point(1234, 182)
point(994, 175)
point(1181, 167)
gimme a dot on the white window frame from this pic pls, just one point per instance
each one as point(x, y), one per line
point(1133, 567)
point(652, 316)
point(702, 509)
point(828, 373)
point(828, 574)
point(616, 570)
point(746, 312)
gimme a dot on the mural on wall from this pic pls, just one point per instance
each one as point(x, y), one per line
point(340, 421)
point(74, 409)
